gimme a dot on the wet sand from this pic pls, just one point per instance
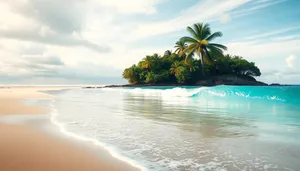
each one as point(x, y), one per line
point(26, 148)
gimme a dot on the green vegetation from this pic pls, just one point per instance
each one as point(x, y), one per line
point(195, 58)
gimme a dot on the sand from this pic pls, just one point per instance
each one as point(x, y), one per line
point(11, 100)
point(25, 148)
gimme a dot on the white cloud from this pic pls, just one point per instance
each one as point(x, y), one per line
point(131, 6)
point(10, 19)
point(225, 18)
point(293, 62)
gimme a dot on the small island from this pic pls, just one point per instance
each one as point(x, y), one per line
point(196, 60)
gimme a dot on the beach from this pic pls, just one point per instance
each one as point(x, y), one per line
point(27, 147)
point(149, 128)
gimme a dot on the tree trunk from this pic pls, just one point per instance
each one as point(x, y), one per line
point(202, 63)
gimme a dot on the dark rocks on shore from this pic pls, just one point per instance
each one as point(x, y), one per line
point(230, 80)
point(275, 84)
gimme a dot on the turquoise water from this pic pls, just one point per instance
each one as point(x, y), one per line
point(189, 128)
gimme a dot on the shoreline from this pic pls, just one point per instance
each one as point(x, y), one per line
point(90, 141)
point(23, 147)
point(176, 85)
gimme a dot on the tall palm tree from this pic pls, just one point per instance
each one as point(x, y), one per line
point(200, 43)
point(180, 46)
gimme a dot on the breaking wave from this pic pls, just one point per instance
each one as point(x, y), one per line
point(280, 94)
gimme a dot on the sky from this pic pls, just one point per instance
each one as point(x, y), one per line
point(93, 41)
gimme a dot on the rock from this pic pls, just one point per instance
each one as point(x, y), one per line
point(230, 80)
point(275, 84)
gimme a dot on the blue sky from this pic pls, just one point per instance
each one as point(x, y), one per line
point(94, 40)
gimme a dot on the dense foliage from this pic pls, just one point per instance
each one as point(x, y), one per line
point(182, 67)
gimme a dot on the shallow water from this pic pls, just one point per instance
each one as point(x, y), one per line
point(189, 128)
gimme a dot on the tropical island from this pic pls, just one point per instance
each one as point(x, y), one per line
point(196, 60)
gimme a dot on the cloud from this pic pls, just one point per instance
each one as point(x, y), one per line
point(272, 33)
point(257, 5)
point(83, 39)
point(30, 65)
point(55, 39)
point(288, 37)
point(256, 49)
point(53, 13)
point(282, 75)
point(132, 6)
point(225, 18)
point(293, 61)
point(217, 8)
point(271, 59)
point(48, 60)
point(53, 67)
point(47, 22)
point(261, 1)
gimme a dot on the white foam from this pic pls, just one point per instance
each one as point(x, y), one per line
point(87, 139)
point(174, 92)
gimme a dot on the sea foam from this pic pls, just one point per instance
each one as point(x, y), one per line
point(111, 150)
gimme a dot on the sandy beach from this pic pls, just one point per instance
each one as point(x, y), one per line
point(26, 148)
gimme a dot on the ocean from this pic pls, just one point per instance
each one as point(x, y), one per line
point(221, 128)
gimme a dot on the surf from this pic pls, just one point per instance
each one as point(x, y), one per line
point(276, 94)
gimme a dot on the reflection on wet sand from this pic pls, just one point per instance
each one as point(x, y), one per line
point(225, 133)
point(189, 117)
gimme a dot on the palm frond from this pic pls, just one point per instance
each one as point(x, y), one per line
point(180, 54)
point(180, 44)
point(208, 56)
point(207, 59)
point(198, 50)
point(214, 51)
point(213, 36)
point(197, 28)
point(205, 31)
point(186, 59)
point(193, 33)
point(189, 40)
point(222, 47)
point(190, 49)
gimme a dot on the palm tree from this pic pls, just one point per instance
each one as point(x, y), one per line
point(192, 64)
point(180, 46)
point(147, 62)
point(200, 44)
point(175, 67)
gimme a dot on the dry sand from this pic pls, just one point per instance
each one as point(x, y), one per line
point(24, 148)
